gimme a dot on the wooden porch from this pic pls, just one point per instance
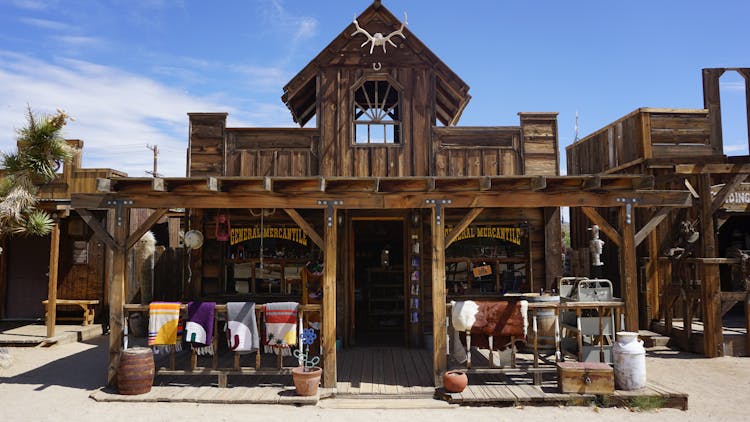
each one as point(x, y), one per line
point(385, 373)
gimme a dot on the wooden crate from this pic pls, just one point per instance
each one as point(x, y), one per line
point(585, 377)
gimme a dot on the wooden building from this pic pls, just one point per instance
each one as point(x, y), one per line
point(397, 203)
point(70, 263)
point(679, 148)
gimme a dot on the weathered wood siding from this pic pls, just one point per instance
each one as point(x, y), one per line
point(539, 144)
point(206, 145)
point(643, 134)
point(476, 151)
point(73, 178)
point(79, 280)
point(272, 152)
point(340, 156)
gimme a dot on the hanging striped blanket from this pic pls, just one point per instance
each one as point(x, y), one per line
point(242, 330)
point(164, 330)
point(281, 327)
point(199, 328)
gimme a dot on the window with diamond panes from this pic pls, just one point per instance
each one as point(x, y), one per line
point(376, 113)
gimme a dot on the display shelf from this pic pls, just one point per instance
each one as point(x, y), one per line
point(385, 301)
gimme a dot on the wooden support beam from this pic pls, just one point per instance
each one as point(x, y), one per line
point(745, 72)
point(54, 258)
point(715, 168)
point(712, 102)
point(538, 183)
point(366, 200)
point(552, 246)
point(728, 188)
point(99, 231)
point(592, 183)
point(146, 226)
point(158, 185)
point(628, 271)
point(329, 299)
point(103, 185)
point(653, 277)
point(462, 225)
point(651, 225)
point(212, 184)
point(306, 227)
point(439, 331)
point(117, 298)
point(713, 332)
point(604, 226)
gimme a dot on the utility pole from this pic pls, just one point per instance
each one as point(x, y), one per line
point(155, 150)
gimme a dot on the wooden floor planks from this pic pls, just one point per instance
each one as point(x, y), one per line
point(382, 372)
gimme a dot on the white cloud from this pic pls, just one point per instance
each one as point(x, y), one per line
point(302, 27)
point(738, 147)
point(115, 111)
point(33, 4)
point(733, 86)
point(262, 78)
point(47, 24)
point(79, 41)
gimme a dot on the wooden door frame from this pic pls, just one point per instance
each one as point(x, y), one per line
point(401, 215)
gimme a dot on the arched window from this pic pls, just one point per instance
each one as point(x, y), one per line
point(377, 113)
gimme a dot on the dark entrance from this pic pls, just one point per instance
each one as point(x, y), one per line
point(379, 305)
point(27, 276)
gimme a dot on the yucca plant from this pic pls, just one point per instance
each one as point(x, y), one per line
point(41, 151)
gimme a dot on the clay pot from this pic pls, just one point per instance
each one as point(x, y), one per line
point(455, 381)
point(306, 381)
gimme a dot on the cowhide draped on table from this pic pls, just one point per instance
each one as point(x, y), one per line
point(501, 320)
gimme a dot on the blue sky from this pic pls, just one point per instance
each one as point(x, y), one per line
point(130, 71)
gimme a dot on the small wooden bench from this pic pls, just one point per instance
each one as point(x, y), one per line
point(87, 305)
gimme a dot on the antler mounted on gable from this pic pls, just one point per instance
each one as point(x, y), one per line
point(378, 39)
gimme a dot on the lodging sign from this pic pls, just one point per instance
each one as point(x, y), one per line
point(737, 201)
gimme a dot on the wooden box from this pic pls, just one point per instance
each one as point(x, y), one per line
point(585, 377)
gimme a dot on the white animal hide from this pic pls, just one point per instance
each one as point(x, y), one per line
point(146, 246)
point(464, 314)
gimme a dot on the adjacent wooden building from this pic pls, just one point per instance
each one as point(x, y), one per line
point(678, 148)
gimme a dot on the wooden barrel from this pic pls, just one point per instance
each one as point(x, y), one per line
point(135, 373)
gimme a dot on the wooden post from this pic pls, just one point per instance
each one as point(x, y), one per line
point(329, 299)
point(117, 295)
point(629, 268)
point(439, 331)
point(745, 72)
point(552, 246)
point(54, 256)
point(712, 102)
point(713, 336)
point(653, 277)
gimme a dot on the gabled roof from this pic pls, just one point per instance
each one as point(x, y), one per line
point(452, 96)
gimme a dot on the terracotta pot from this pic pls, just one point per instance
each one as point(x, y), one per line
point(455, 381)
point(306, 381)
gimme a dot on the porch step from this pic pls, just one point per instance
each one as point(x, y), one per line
point(652, 339)
point(384, 402)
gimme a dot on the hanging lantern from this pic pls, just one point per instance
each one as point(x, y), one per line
point(223, 227)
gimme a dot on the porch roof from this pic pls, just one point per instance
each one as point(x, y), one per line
point(381, 192)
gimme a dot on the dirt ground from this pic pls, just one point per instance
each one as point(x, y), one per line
point(54, 383)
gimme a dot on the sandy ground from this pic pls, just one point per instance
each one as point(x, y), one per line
point(54, 383)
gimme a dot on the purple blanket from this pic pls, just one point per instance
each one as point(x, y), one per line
point(199, 330)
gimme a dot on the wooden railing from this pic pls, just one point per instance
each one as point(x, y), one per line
point(220, 314)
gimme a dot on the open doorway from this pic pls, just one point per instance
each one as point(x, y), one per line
point(379, 287)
